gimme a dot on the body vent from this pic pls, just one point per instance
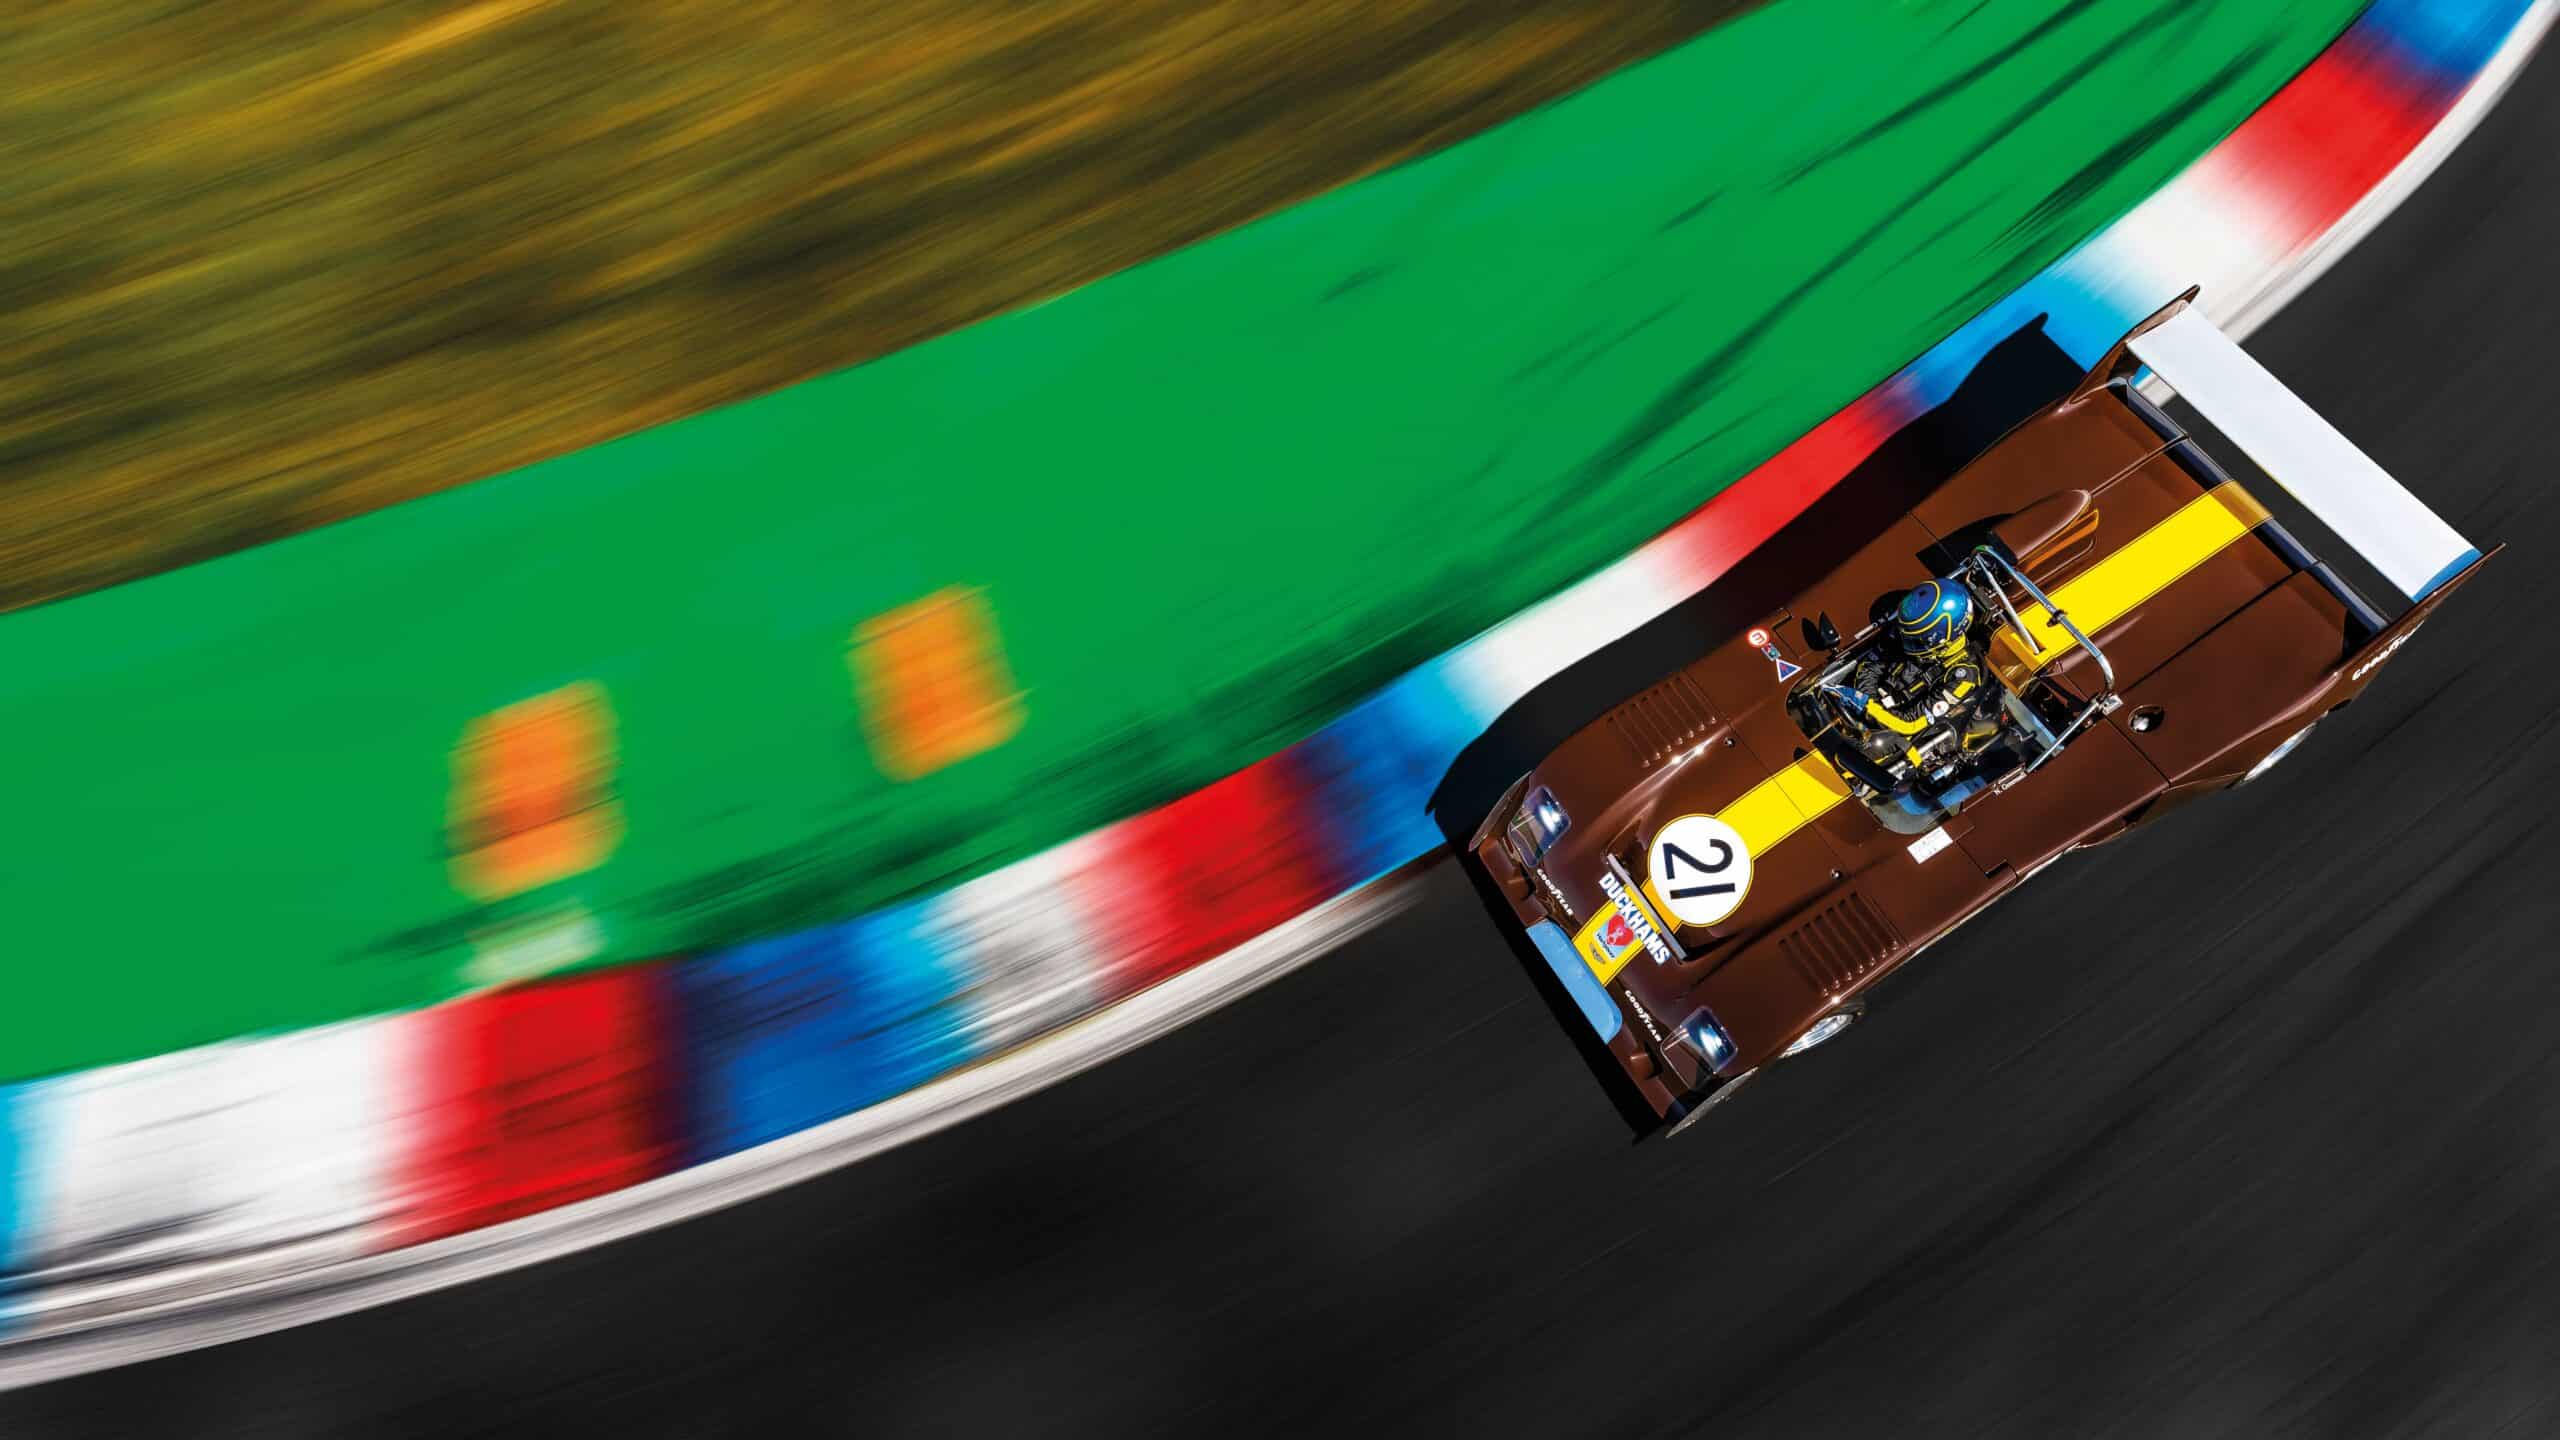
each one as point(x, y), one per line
point(1841, 945)
point(1663, 721)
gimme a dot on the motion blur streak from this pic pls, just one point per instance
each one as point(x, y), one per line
point(533, 798)
point(2262, 1147)
point(1151, 480)
point(645, 1068)
point(285, 288)
point(932, 684)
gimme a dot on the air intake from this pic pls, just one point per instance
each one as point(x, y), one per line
point(1663, 721)
point(1841, 945)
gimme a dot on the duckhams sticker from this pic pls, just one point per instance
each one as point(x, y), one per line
point(1620, 929)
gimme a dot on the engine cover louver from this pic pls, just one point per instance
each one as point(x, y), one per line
point(1840, 945)
point(1663, 721)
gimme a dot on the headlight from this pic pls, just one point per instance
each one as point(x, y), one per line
point(1707, 1038)
point(1535, 828)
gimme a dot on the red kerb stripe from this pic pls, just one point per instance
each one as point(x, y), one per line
point(1746, 513)
point(2324, 142)
point(533, 1097)
point(1206, 873)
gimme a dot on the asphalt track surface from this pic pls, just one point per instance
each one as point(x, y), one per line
point(2247, 1126)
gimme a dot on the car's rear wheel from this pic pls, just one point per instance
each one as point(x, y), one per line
point(1824, 1030)
point(2277, 756)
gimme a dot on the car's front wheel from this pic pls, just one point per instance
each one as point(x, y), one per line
point(1826, 1029)
point(1700, 1104)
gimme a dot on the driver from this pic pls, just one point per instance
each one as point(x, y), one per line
point(1933, 680)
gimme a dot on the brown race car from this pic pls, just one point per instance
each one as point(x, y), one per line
point(2087, 626)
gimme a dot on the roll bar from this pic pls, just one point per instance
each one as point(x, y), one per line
point(1986, 564)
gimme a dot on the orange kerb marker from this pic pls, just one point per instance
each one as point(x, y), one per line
point(931, 682)
point(533, 797)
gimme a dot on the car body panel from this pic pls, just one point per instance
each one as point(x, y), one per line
point(2223, 637)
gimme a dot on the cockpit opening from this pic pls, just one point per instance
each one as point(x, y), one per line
point(1918, 718)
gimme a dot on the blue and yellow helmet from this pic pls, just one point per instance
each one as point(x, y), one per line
point(1933, 616)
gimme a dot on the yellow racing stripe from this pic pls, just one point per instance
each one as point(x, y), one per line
point(1771, 811)
point(1780, 805)
point(1786, 802)
point(2107, 591)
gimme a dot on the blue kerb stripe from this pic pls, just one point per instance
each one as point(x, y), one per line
point(2089, 309)
point(1373, 771)
point(2080, 317)
point(785, 1033)
point(2447, 42)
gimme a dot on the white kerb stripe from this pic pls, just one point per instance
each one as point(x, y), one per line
point(1020, 937)
point(2196, 231)
point(189, 1172)
point(1517, 656)
point(2409, 543)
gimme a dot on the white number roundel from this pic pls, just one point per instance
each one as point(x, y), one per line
point(1700, 869)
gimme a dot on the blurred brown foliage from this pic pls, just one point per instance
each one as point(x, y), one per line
point(267, 265)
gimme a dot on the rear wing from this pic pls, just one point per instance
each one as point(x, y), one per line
point(2394, 530)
